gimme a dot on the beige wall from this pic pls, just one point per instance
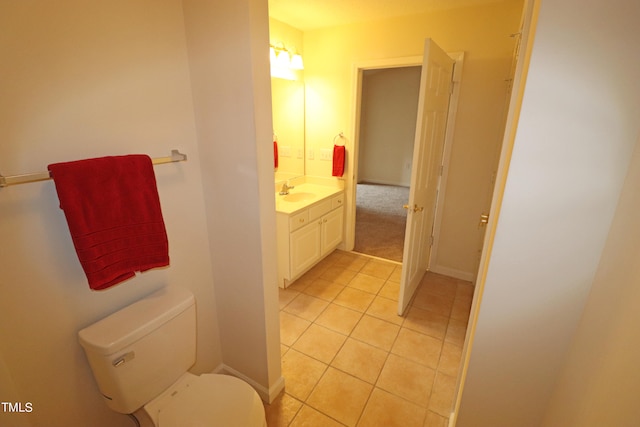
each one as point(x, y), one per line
point(388, 125)
point(483, 34)
point(232, 99)
point(548, 263)
point(87, 79)
point(281, 33)
point(600, 382)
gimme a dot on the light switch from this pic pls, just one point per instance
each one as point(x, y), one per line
point(326, 154)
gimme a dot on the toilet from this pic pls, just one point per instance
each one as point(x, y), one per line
point(140, 358)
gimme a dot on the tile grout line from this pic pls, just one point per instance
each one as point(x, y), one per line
point(330, 302)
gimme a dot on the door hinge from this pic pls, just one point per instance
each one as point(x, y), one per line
point(484, 219)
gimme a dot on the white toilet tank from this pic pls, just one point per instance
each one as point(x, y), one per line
point(140, 350)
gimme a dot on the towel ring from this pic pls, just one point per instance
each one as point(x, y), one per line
point(341, 136)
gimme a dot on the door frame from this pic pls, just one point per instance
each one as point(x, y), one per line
point(350, 181)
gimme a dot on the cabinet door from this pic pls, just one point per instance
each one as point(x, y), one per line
point(332, 226)
point(305, 248)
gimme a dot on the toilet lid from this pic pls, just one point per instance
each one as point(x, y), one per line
point(213, 400)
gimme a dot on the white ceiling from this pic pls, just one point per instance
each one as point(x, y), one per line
point(312, 14)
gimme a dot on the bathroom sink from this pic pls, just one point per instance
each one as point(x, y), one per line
point(298, 197)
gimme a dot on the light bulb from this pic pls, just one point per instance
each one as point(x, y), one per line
point(296, 62)
point(283, 59)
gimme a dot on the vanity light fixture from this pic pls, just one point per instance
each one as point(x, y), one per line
point(281, 57)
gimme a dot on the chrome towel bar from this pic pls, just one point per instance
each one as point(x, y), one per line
point(5, 181)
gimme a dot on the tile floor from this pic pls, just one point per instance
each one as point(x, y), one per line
point(349, 360)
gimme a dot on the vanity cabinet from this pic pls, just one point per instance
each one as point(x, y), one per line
point(307, 236)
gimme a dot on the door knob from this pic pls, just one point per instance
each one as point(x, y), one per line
point(484, 219)
point(415, 208)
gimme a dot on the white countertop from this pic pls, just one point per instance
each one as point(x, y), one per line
point(309, 195)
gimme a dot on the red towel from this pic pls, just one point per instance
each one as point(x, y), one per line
point(113, 212)
point(339, 155)
point(275, 154)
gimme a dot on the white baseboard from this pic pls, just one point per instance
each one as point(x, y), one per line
point(383, 182)
point(452, 272)
point(267, 395)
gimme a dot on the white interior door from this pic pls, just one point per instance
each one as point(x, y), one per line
point(433, 106)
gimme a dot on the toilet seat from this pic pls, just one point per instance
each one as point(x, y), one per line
point(211, 400)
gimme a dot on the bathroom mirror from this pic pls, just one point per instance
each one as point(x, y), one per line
point(288, 126)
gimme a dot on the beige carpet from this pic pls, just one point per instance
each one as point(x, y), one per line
point(381, 220)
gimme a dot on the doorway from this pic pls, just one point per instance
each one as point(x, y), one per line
point(360, 74)
point(388, 106)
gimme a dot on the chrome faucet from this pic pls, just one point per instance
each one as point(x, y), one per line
point(285, 189)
